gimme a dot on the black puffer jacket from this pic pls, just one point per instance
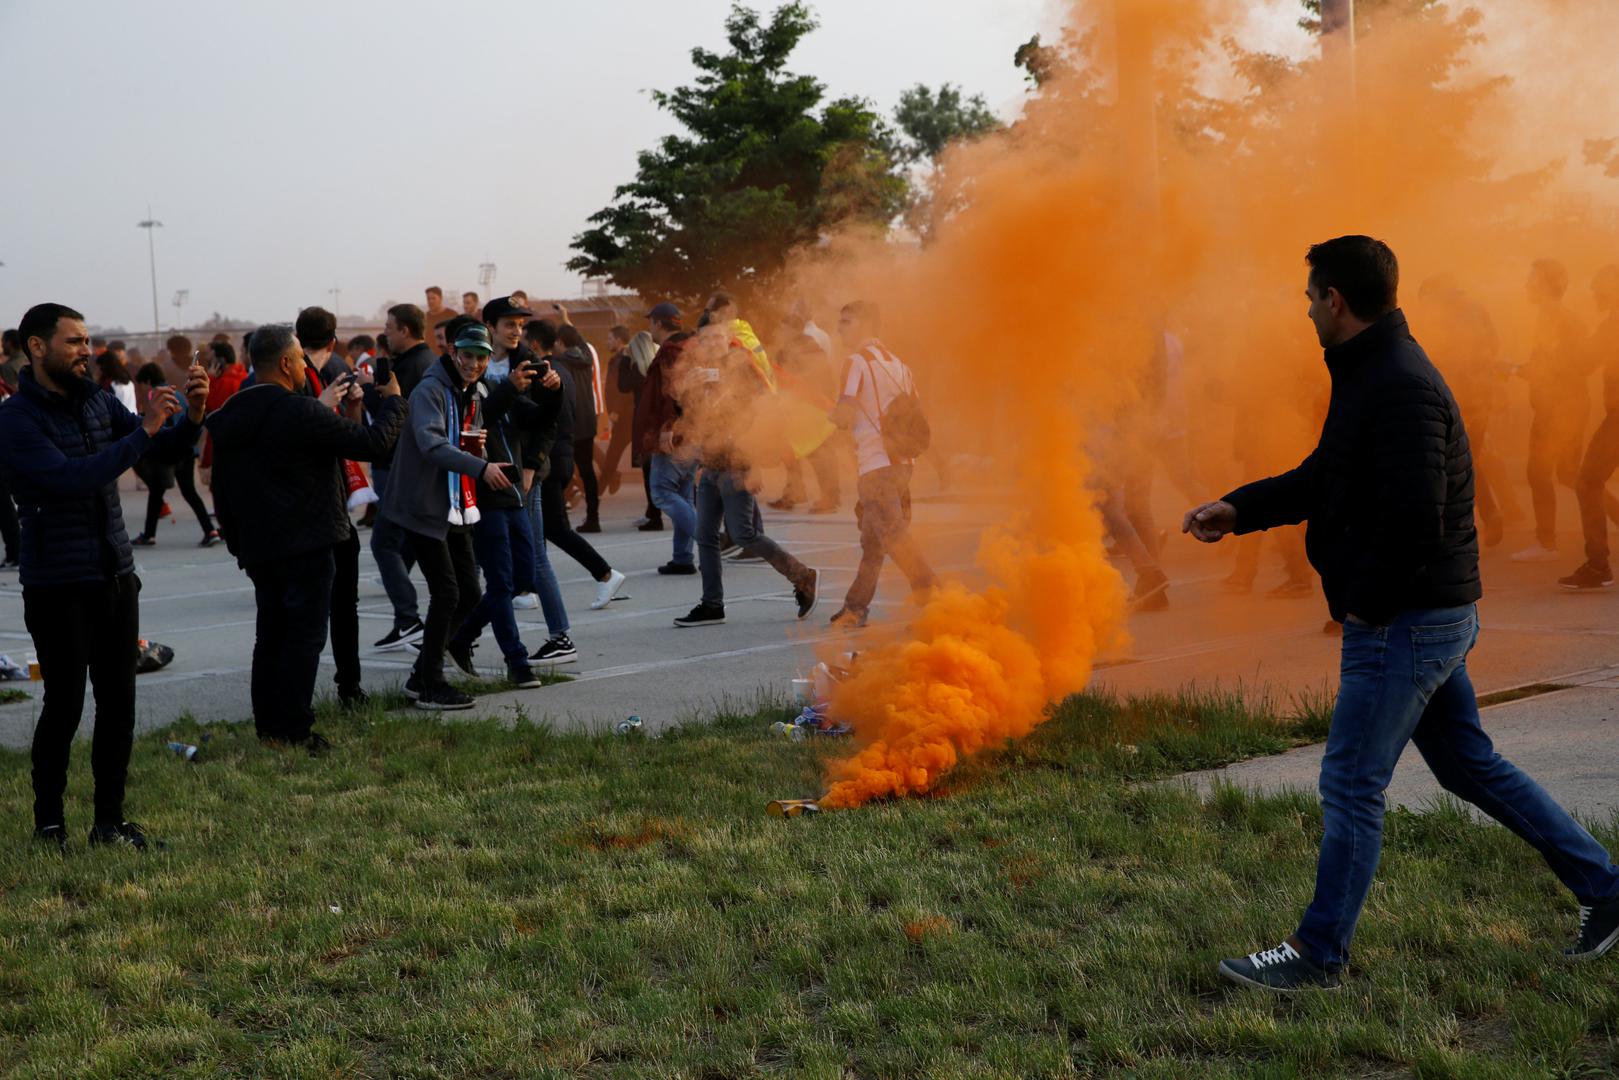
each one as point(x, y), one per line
point(1388, 491)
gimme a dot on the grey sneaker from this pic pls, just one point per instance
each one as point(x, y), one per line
point(1599, 931)
point(1282, 970)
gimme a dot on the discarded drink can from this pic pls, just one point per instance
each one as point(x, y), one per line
point(185, 750)
point(792, 807)
point(787, 731)
point(33, 667)
point(624, 727)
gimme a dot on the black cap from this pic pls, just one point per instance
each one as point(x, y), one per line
point(665, 311)
point(502, 307)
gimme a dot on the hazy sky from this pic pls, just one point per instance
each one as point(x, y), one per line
point(290, 147)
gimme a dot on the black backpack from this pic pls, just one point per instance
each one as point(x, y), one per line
point(904, 426)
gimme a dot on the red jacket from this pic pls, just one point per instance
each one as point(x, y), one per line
point(657, 409)
point(220, 389)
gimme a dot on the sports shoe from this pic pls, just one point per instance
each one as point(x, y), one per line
point(848, 618)
point(809, 596)
point(1587, 577)
point(743, 555)
point(460, 656)
point(591, 525)
point(650, 525)
point(52, 834)
point(1599, 931)
point(606, 590)
point(1282, 970)
point(123, 834)
point(727, 548)
point(400, 636)
point(522, 676)
point(209, 539)
point(559, 650)
point(677, 568)
point(525, 601)
point(413, 687)
point(11, 562)
point(315, 743)
point(142, 540)
point(1536, 553)
point(702, 615)
point(443, 698)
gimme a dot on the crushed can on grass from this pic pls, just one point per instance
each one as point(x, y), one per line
point(792, 807)
point(185, 750)
point(625, 727)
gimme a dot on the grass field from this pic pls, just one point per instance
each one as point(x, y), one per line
point(458, 899)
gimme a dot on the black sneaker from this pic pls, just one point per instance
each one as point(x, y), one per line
point(142, 540)
point(591, 525)
point(11, 562)
point(52, 834)
point(1599, 931)
point(444, 698)
point(461, 657)
point(316, 743)
point(1282, 970)
point(650, 525)
point(677, 568)
point(350, 700)
point(413, 687)
point(809, 595)
point(209, 539)
point(1587, 577)
point(702, 615)
point(400, 636)
point(522, 676)
point(559, 650)
point(847, 618)
point(727, 549)
point(123, 834)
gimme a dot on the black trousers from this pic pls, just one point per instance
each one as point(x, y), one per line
point(294, 600)
point(1597, 467)
point(346, 613)
point(81, 630)
point(584, 454)
point(9, 532)
point(451, 569)
point(559, 530)
point(159, 477)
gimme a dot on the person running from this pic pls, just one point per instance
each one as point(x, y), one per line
point(1602, 456)
point(723, 380)
point(873, 380)
point(1388, 494)
point(65, 442)
point(162, 469)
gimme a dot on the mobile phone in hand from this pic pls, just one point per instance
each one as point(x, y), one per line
point(382, 370)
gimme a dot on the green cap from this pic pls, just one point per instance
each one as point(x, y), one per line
point(475, 336)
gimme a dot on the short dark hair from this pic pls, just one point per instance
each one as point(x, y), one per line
point(436, 289)
point(316, 328)
point(1363, 270)
point(151, 374)
point(410, 318)
point(453, 328)
point(362, 342)
point(720, 298)
point(98, 341)
point(468, 293)
point(224, 352)
point(571, 337)
point(10, 341)
point(865, 312)
point(543, 332)
point(117, 343)
point(40, 322)
point(268, 344)
point(621, 333)
point(178, 344)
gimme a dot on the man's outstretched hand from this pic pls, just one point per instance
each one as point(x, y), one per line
point(1210, 521)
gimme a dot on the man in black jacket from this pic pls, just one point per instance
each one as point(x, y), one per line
point(63, 444)
point(281, 494)
point(1388, 494)
point(411, 357)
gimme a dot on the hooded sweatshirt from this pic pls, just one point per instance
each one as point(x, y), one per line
point(429, 450)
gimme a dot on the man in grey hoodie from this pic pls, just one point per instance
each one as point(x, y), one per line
point(432, 496)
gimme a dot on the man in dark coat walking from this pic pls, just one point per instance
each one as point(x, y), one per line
point(1388, 494)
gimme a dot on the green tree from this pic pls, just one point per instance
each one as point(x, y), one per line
point(760, 167)
point(929, 120)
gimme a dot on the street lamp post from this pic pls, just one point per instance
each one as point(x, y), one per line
point(151, 224)
point(180, 298)
point(486, 278)
point(337, 302)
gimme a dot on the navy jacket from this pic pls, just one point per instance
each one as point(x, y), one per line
point(1388, 492)
point(63, 455)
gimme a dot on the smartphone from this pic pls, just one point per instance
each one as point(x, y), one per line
point(382, 370)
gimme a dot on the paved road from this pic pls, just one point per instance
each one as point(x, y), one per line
point(633, 661)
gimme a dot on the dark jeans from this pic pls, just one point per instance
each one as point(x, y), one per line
point(1555, 434)
point(584, 453)
point(394, 559)
point(9, 533)
point(884, 514)
point(504, 545)
point(159, 477)
point(346, 613)
point(294, 600)
point(559, 530)
point(1596, 505)
point(81, 630)
point(452, 595)
point(652, 511)
point(723, 496)
point(1407, 682)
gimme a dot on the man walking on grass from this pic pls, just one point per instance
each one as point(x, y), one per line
point(1388, 494)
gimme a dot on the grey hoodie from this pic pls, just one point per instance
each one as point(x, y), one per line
point(418, 493)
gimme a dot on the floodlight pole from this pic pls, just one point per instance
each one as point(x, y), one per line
point(150, 225)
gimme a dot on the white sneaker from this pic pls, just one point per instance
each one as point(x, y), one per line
point(606, 590)
point(525, 601)
point(1535, 553)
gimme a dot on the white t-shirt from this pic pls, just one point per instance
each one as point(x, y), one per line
point(876, 377)
point(125, 392)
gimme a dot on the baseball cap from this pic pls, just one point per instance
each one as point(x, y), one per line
point(502, 307)
point(665, 311)
point(475, 336)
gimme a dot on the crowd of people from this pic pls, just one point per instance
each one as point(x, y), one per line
point(461, 441)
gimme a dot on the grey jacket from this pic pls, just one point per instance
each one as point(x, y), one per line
point(418, 493)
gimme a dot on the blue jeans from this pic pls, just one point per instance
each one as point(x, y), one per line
point(722, 495)
point(504, 545)
point(545, 579)
point(391, 551)
point(672, 493)
point(1405, 682)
